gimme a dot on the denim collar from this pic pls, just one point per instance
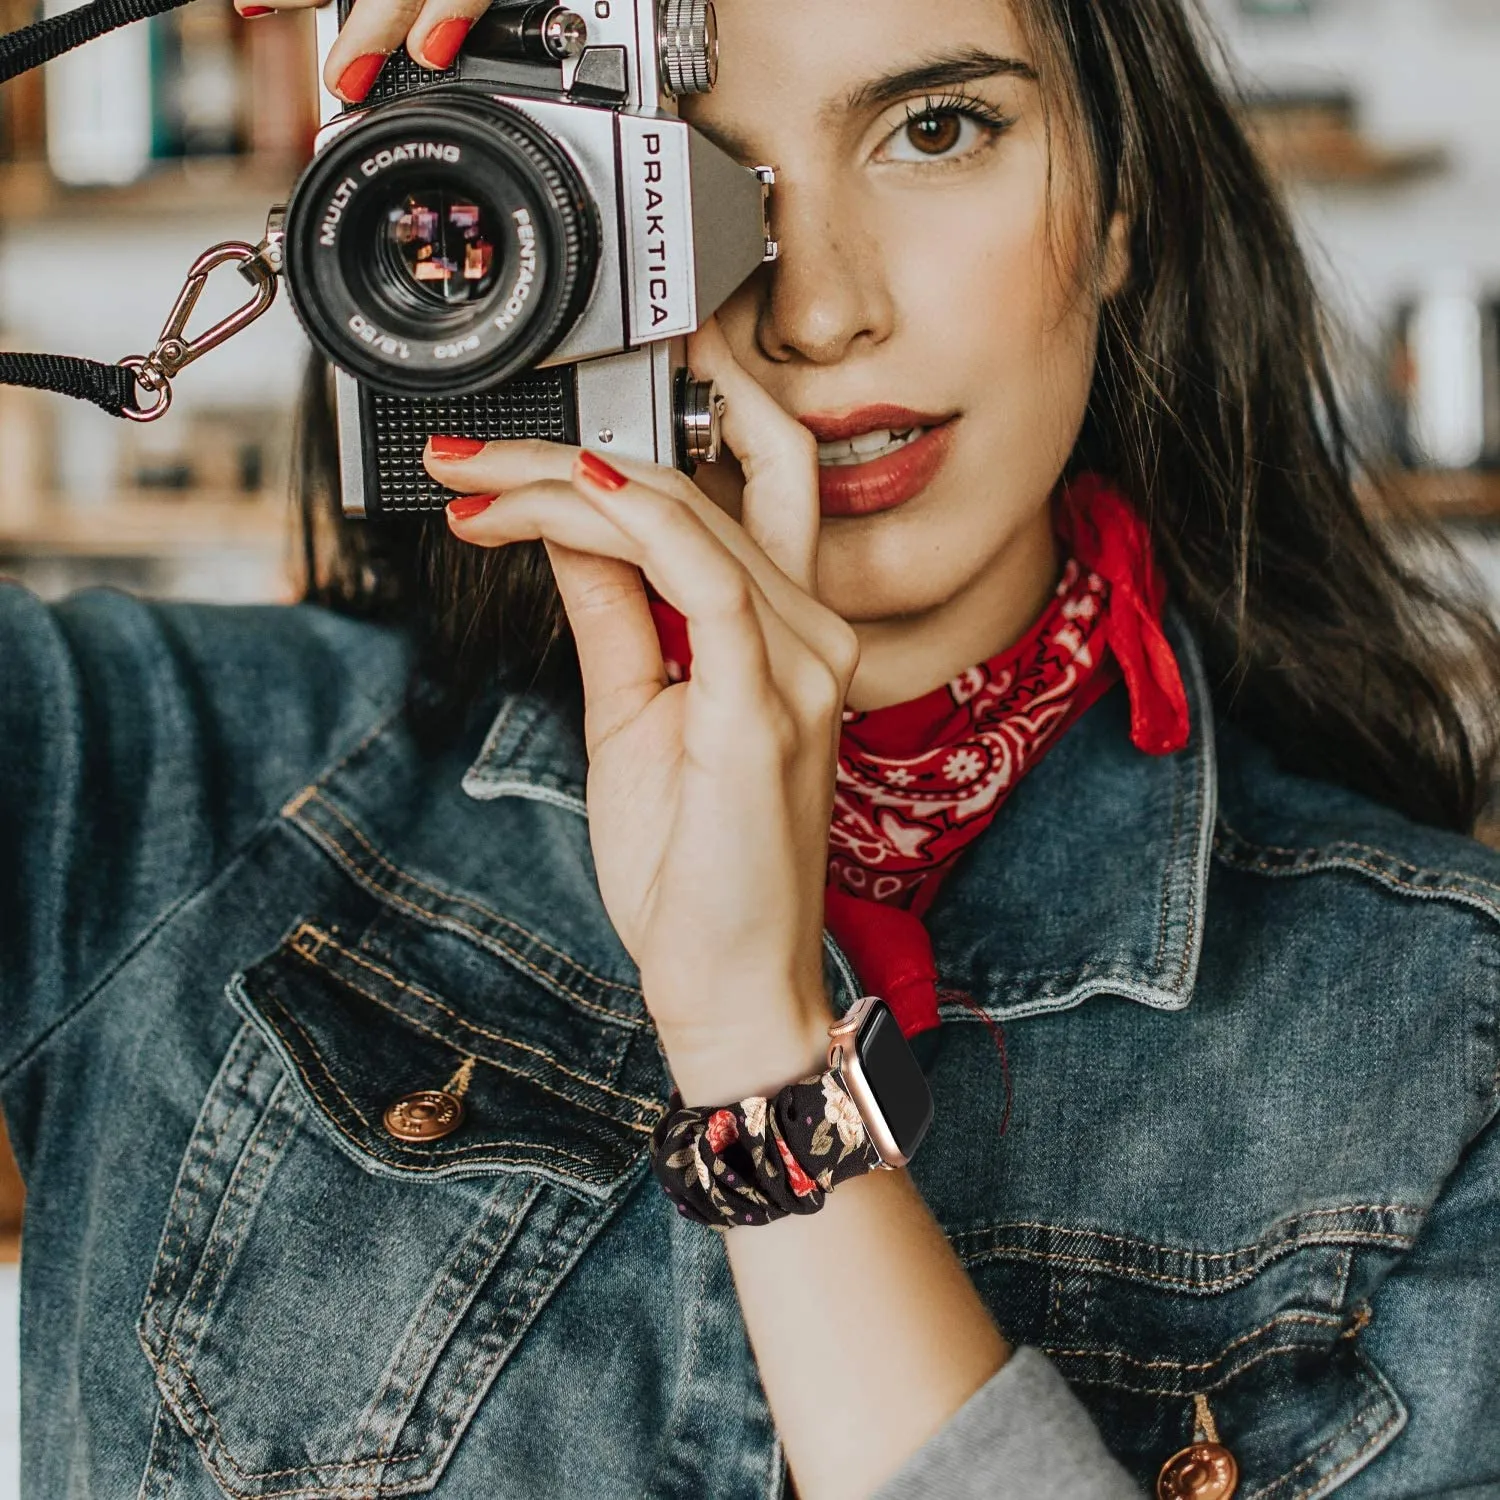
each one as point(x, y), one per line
point(1092, 878)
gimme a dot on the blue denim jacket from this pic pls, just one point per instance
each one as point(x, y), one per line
point(1251, 1174)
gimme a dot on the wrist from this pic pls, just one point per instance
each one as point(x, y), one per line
point(714, 1065)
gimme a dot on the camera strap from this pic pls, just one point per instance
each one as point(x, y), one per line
point(33, 45)
point(117, 387)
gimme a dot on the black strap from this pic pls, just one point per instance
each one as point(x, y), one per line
point(40, 42)
point(109, 386)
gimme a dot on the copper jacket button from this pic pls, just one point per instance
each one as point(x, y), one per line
point(1206, 1471)
point(427, 1115)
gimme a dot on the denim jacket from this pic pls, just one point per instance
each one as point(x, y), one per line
point(1250, 1177)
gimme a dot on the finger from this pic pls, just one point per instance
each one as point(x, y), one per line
point(374, 29)
point(440, 29)
point(727, 613)
point(779, 457)
point(503, 466)
point(250, 9)
point(687, 565)
point(619, 656)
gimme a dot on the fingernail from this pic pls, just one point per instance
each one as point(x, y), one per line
point(250, 12)
point(357, 79)
point(468, 506)
point(444, 40)
point(454, 447)
point(601, 472)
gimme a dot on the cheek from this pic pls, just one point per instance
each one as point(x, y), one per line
point(990, 305)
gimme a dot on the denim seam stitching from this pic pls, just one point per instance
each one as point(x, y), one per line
point(225, 1458)
point(461, 900)
point(1185, 1367)
point(448, 921)
point(127, 955)
point(176, 1229)
point(1317, 861)
point(1182, 1283)
point(550, 1273)
point(441, 1337)
point(1123, 1239)
point(1168, 872)
point(424, 998)
point(1202, 854)
point(174, 1358)
point(364, 1150)
point(261, 1154)
point(1360, 1418)
point(640, 1127)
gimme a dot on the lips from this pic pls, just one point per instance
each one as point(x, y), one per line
point(878, 457)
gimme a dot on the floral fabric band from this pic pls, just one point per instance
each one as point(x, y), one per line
point(762, 1159)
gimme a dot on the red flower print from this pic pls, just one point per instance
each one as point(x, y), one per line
point(722, 1130)
point(801, 1183)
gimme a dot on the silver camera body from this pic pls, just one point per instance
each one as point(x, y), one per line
point(519, 246)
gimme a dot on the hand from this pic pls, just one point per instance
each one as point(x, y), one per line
point(433, 31)
point(709, 800)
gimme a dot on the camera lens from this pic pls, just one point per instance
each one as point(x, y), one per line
point(441, 245)
point(444, 243)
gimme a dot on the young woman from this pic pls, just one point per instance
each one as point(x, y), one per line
point(1031, 665)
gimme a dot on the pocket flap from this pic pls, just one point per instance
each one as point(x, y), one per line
point(544, 1089)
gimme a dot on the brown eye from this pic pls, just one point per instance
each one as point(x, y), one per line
point(935, 134)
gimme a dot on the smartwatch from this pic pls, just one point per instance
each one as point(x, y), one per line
point(878, 1070)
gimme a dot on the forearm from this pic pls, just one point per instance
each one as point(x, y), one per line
point(867, 1330)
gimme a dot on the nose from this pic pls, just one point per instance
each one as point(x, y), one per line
point(827, 296)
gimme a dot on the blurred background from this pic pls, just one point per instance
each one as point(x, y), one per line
point(122, 162)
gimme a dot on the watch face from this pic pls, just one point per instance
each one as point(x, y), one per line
point(895, 1078)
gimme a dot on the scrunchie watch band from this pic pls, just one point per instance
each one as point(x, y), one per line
point(762, 1159)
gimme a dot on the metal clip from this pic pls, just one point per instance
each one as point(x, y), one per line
point(767, 177)
point(154, 372)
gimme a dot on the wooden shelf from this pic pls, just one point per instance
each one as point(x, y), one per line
point(1317, 142)
point(1456, 495)
point(132, 526)
point(204, 187)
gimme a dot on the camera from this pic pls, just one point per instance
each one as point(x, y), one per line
point(517, 247)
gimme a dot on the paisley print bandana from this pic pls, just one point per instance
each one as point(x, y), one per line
point(918, 782)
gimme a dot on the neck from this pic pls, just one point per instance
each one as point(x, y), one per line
point(901, 659)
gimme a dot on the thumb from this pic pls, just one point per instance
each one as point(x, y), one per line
point(778, 455)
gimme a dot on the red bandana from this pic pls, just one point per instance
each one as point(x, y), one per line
point(919, 781)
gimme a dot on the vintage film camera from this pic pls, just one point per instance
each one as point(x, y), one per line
point(519, 246)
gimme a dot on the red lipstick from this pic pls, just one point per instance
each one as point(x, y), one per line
point(858, 489)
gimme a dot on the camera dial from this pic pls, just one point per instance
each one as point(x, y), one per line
point(689, 46)
point(440, 246)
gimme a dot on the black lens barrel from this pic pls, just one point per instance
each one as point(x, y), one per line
point(356, 299)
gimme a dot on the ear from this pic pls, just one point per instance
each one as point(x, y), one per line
point(1115, 269)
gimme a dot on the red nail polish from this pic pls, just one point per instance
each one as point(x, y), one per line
point(444, 40)
point(359, 77)
point(454, 447)
point(250, 12)
point(601, 472)
point(468, 506)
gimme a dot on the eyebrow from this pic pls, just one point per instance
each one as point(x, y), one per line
point(944, 71)
point(966, 66)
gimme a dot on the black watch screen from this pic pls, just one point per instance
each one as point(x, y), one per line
point(895, 1078)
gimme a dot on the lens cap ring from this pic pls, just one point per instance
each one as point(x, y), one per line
point(453, 144)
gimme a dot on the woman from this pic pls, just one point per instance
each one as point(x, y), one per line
point(1218, 1212)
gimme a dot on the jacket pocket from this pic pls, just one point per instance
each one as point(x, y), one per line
point(330, 1304)
point(1255, 1347)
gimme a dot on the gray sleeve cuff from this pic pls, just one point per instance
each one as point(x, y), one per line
point(1022, 1434)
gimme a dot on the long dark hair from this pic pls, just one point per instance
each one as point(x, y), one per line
point(1213, 406)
